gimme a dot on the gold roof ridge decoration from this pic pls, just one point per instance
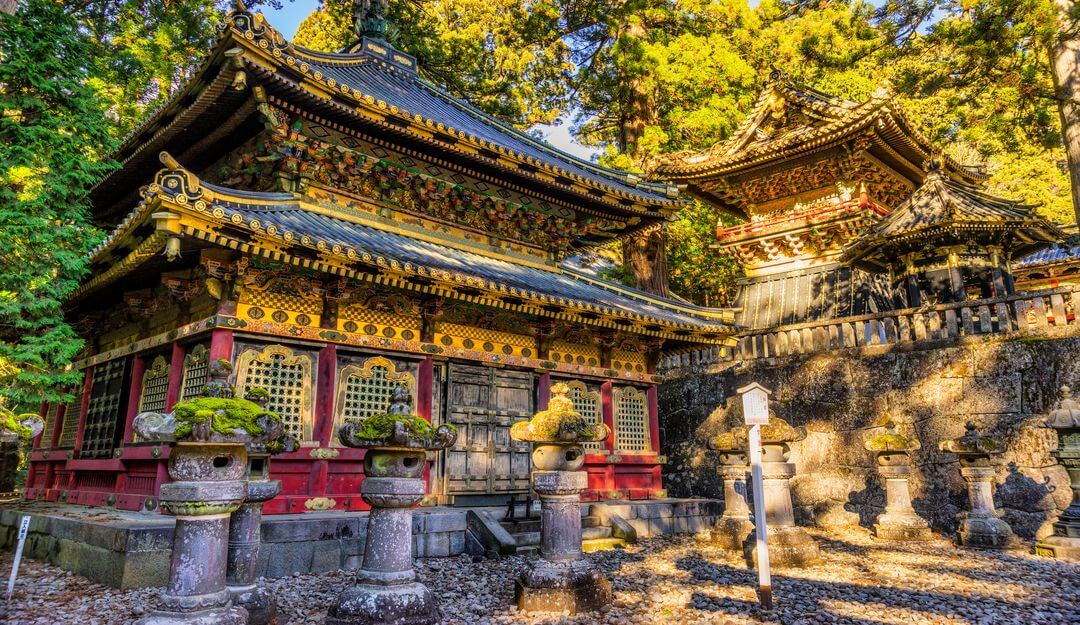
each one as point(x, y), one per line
point(202, 210)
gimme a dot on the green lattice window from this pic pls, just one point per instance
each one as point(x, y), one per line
point(367, 389)
point(631, 421)
point(105, 410)
point(196, 369)
point(287, 377)
point(155, 386)
point(587, 403)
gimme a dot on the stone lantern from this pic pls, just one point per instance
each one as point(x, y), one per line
point(207, 464)
point(982, 527)
point(16, 433)
point(561, 580)
point(789, 544)
point(733, 527)
point(1064, 543)
point(899, 521)
point(386, 591)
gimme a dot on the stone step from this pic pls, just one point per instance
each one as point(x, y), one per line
point(595, 533)
point(521, 527)
point(529, 539)
point(602, 544)
point(591, 521)
point(525, 539)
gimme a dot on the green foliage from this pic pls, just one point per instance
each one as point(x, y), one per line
point(11, 422)
point(698, 273)
point(380, 427)
point(53, 138)
point(225, 416)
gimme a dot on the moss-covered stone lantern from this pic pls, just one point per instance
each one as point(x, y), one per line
point(16, 433)
point(208, 464)
point(899, 521)
point(1064, 543)
point(983, 526)
point(561, 580)
point(386, 591)
point(734, 525)
point(789, 544)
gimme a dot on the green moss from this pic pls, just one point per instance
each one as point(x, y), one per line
point(889, 441)
point(225, 415)
point(257, 393)
point(11, 422)
point(381, 427)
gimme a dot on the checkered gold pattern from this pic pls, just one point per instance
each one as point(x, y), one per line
point(287, 376)
point(630, 361)
point(155, 386)
point(279, 301)
point(367, 389)
point(587, 403)
point(631, 421)
point(481, 335)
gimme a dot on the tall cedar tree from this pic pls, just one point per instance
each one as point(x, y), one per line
point(53, 138)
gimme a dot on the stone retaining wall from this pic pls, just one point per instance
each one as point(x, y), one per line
point(1005, 384)
point(131, 549)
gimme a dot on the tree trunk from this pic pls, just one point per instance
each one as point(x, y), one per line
point(1065, 67)
point(646, 253)
point(8, 6)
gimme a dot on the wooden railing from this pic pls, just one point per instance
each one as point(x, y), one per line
point(1030, 312)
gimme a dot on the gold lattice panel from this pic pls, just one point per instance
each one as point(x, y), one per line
point(587, 403)
point(280, 308)
point(50, 425)
point(356, 318)
point(367, 389)
point(286, 376)
point(631, 361)
point(631, 421)
point(196, 370)
point(575, 354)
point(72, 414)
point(155, 386)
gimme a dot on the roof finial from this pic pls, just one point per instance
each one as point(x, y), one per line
point(369, 19)
point(777, 75)
point(935, 165)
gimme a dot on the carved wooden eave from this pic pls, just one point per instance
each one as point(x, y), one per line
point(180, 205)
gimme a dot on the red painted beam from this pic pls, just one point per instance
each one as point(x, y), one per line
point(138, 369)
point(88, 384)
point(221, 344)
point(543, 390)
point(607, 412)
point(654, 418)
point(425, 383)
point(176, 376)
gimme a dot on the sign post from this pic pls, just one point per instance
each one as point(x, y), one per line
point(24, 526)
point(755, 398)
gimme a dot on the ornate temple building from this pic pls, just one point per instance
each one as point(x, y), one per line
point(850, 210)
point(339, 228)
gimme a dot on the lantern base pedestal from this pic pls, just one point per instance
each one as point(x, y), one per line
point(985, 532)
point(788, 546)
point(730, 533)
point(232, 615)
point(902, 528)
point(257, 600)
point(398, 604)
point(574, 586)
point(1060, 547)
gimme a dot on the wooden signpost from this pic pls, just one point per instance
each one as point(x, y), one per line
point(24, 525)
point(755, 399)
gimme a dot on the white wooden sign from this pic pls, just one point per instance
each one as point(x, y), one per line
point(24, 526)
point(755, 402)
point(755, 398)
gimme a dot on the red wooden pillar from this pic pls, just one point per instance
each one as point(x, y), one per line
point(652, 404)
point(176, 376)
point(543, 391)
point(425, 384)
point(607, 413)
point(138, 369)
point(88, 385)
point(54, 440)
point(323, 431)
point(221, 344)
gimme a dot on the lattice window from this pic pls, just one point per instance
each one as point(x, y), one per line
point(155, 386)
point(368, 389)
point(196, 368)
point(587, 403)
point(287, 377)
point(72, 413)
point(50, 425)
point(104, 411)
point(631, 421)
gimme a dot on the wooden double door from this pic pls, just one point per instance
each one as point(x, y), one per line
point(483, 402)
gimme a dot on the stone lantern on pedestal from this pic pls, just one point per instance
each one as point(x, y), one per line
point(386, 591)
point(733, 527)
point(789, 544)
point(1064, 543)
point(982, 527)
point(561, 580)
point(207, 464)
point(16, 433)
point(899, 521)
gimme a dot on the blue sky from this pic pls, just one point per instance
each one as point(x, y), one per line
point(287, 19)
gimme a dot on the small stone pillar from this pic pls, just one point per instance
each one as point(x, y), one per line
point(386, 591)
point(17, 432)
point(1064, 543)
point(207, 487)
point(982, 527)
point(899, 521)
point(789, 544)
point(561, 580)
point(733, 527)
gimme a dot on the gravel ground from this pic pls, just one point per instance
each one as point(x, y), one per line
point(664, 580)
